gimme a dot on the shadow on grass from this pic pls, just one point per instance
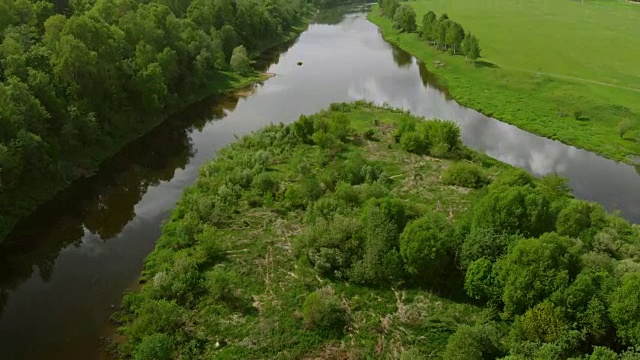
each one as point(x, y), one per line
point(486, 64)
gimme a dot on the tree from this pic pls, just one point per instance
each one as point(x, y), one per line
point(389, 7)
point(428, 24)
point(515, 210)
point(471, 47)
point(155, 347)
point(474, 343)
point(427, 248)
point(454, 36)
point(534, 269)
point(441, 32)
point(623, 127)
point(405, 18)
point(240, 60)
point(625, 309)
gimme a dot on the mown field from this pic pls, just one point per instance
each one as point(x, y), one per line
point(563, 69)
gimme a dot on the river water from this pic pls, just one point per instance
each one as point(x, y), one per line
point(71, 261)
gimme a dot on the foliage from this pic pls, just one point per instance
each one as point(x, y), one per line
point(405, 18)
point(625, 309)
point(474, 343)
point(321, 311)
point(240, 60)
point(285, 248)
point(75, 88)
point(465, 174)
point(155, 347)
point(427, 247)
point(533, 269)
point(508, 76)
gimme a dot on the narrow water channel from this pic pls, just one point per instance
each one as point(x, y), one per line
point(71, 261)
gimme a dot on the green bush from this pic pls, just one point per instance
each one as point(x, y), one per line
point(515, 210)
point(427, 247)
point(265, 183)
point(534, 269)
point(413, 142)
point(625, 309)
point(155, 347)
point(323, 313)
point(465, 174)
point(484, 243)
point(477, 342)
point(480, 281)
point(380, 263)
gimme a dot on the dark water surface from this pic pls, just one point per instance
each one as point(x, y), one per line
point(72, 260)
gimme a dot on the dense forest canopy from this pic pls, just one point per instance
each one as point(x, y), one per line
point(76, 85)
point(363, 232)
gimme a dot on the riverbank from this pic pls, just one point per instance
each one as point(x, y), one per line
point(28, 197)
point(365, 232)
point(575, 112)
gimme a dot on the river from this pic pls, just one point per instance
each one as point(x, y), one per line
point(67, 265)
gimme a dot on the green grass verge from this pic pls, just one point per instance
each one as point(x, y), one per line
point(513, 83)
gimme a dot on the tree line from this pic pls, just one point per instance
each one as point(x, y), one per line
point(75, 87)
point(443, 33)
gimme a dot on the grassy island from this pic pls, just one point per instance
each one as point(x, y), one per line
point(363, 232)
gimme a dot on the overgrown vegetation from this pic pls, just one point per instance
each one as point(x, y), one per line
point(76, 86)
point(443, 33)
point(582, 97)
point(314, 241)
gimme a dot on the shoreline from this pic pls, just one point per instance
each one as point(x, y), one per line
point(505, 102)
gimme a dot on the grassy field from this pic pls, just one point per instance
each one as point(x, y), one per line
point(563, 69)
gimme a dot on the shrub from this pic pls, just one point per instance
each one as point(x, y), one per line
point(413, 142)
point(625, 309)
point(382, 221)
point(443, 135)
point(534, 269)
point(155, 347)
point(405, 18)
point(427, 246)
point(322, 312)
point(484, 243)
point(465, 174)
point(369, 134)
point(474, 343)
point(542, 323)
point(265, 183)
point(480, 282)
point(514, 210)
point(240, 60)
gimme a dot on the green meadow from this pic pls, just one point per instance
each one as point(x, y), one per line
point(567, 70)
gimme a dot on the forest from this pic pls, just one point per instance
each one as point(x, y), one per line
point(366, 232)
point(78, 82)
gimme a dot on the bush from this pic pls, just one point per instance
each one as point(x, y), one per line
point(474, 343)
point(541, 324)
point(465, 174)
point(515, 210)
point(484, 243)
point(625, 309)
point(534, 269)
point(413, 142)
point(382, 221)
point(240, 60)
point(265, 183)
point(405, 18)
point(480, 282)
point(322, 312)
point(427, 247)
point(155, 347)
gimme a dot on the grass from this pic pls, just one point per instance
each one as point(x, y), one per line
point(258, 315)
point(562, 69)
